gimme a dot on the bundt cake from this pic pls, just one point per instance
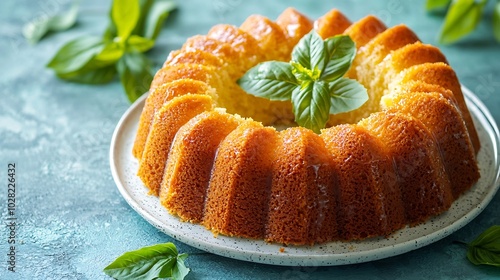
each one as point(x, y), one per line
point(239, 165)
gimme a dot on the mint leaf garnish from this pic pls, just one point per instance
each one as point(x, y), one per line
point(485, 249)
point(312, 80)
point(133, 29)
point(152, 262)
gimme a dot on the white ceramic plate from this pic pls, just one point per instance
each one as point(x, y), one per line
point(467, 207)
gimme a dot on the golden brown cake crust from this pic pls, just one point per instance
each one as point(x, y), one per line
point(155, 101)
point(238, 195)
point(190, 161)
point(425, 187)
point(451, 136)
point(294, 24)
point(301, 208)
point(368, 196)
point(166, 123)
point(331, 24)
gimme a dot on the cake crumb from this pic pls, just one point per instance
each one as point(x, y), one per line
point(282, 250)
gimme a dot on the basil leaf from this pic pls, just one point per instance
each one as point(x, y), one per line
point(485, 249)
point(436, 5)
point(461, 19)
point(76, 54)
point(272, 80)
point(180, 270)
point(91, 76)
point(110, 54)
point(145, 9)
point(155, 18)
point(303, 74)
point(496, 21)
point(140, 44)
point(340, 52)
point(125, 14)
point(311, 104)
point(135, 74)
point(346, 95)
point(152, 262)
point(309, 51)
point(36, 29)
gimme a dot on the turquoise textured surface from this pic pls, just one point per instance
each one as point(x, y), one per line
point(71, 219)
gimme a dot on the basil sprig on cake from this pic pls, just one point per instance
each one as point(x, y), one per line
point(313, 80)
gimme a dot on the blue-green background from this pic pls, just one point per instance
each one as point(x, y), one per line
point(72, 219)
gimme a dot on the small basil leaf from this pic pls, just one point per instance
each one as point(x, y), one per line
point(135, 74)
point(180, 270)
point(462, 18)
point(485, 249)
point(496, 21)
point(272, 80)
point(340, 52)
point(167, 269)
point(303, 74)
point(125, 14)
point(91, 76)
point(110, 54)
point(436, 5)
point(36, 29)
point(346, 95)
point(139, 43)
point(155, 18)
point(110, 33)
point(76, 54)
point(152, 262)
point(309, 51)
point(311, 104)
point(145, 9)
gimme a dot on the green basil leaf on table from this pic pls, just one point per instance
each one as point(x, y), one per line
point(462, 18)
point(346, 95)
point(180, 270)
point(91, 76)
point(125, 14)
point(140, 44)
point(152, 262)
point(135, 74)
point(110, 54)
point(36, 29)
point(155, 18)
point(496, 21)
point(340, 52)
point(485, 249)
point(273, 80)
point(437, 5)
point(145, 9)
point(76, 54)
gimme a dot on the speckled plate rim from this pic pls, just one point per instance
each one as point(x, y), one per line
point(467, 207)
